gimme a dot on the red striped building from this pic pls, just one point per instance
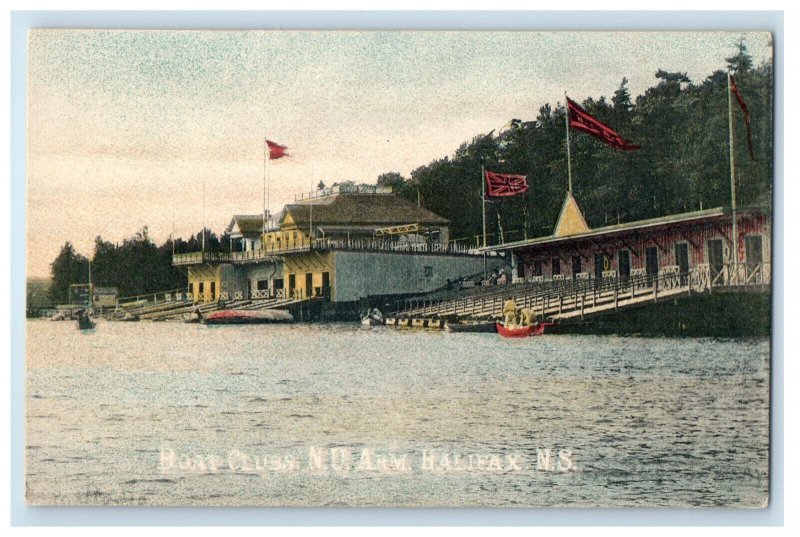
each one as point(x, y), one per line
point(679, 243)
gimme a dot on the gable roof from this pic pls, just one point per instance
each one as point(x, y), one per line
point(571, 220)
point(362, 209)
point(246, 224)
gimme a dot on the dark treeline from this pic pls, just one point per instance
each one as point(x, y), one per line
point(683, 163)
point(135, 267)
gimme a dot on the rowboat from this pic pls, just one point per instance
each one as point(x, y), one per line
point(536, 329)
point(248, 317)
point(472, 326)
point(85, 323)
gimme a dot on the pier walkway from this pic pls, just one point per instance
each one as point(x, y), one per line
point(176, 306)
point(585, 298)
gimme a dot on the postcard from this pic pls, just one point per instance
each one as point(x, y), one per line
point(399, 268)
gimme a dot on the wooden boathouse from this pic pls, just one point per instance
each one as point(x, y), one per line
point(343, 244)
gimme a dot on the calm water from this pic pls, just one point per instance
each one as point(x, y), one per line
point(173, 414)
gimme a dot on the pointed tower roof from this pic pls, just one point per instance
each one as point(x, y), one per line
point(571, 220)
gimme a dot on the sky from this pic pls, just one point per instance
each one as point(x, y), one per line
point(128, 128)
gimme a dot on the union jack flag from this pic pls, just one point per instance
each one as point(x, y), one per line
point(502, 185)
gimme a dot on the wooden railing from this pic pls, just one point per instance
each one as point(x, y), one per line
point(571, 297)
point(270, 250)
point(161, 296)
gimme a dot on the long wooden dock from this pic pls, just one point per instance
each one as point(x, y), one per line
point(587, 298)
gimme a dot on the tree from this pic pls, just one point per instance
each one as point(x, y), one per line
point(66, 269)
point(741, 62)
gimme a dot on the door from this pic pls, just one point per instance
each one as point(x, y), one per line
point(682, 260)
point(753, 252)
point(292, 285)
point(537, 267)
point(576, 266)
point(651, 262)
point(309, 284)
point(556, 266)
point(715, 261)
point(326, 285)
point(624, 265)
point(599, 266)
point(213, 290)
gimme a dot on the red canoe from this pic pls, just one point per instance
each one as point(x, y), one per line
point(536, 329)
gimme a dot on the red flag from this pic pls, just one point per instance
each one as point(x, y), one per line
point(746, 115)
point(276, 150)
point(501, 185)
point(581, 120)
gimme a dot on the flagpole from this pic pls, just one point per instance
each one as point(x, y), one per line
point(483, 207)
point(203, 239)
point(735, 235)
point(483, 202)
point(569, 158)
point(264, 194)
point(311, 209)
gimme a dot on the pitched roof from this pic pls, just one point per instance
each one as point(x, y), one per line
point(641, 225)
point(246, 223)
point(362, 209)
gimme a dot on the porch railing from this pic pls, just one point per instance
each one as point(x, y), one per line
point(270, 250)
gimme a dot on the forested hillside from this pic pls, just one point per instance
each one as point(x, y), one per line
point(683, 163)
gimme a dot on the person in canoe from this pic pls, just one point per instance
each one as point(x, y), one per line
point(527, 317)
point(510, 312)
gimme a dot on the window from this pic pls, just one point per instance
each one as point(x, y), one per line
point(556, 266)
point(262, 285)
point(213, 289)
point(427, 272)
point(200, 288)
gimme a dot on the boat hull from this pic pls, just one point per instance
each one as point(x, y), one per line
point(248, 317)
point(483, 328)
point(86, 325)
point(536, 329)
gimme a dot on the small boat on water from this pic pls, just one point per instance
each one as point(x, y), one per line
point(472, 326)
point(374, 317)
point(248, 317)
point(85, 322)
point(536, 329)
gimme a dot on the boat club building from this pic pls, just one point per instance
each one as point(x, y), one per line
point(680, 244)
point(342, 243)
